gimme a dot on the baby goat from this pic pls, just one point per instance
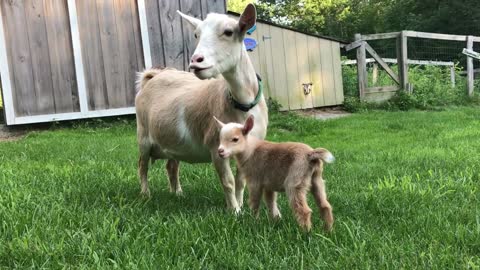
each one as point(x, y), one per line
point(271, 167)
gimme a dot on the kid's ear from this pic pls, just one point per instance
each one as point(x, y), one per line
point(247, 127)
point(219, 123)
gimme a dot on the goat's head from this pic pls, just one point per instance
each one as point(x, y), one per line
point(219, 41)
point(233, 137)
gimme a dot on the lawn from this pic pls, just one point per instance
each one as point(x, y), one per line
point(404, 189)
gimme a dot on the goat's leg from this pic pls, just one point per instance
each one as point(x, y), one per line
point(222, 166)
point(239, 187)
point(271, 201)
point(298, 201)
point(254, 198)
point(320, 195)
point(142, 173)
point(172, 170)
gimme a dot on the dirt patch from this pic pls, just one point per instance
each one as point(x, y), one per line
point(324, 113)
point(11, 134)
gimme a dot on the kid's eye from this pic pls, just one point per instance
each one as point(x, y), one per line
point(228, 32)
point(235, 140)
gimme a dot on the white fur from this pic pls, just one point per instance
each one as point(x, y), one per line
point(329, 158)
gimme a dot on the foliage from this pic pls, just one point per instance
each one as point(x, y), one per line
point(343, 18)
point(432, 88)
point(404, 190)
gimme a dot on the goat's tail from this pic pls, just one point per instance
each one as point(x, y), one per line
point(144, 76)
point(321, 153)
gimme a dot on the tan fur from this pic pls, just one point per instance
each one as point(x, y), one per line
point(294, 168)
point(174, 108)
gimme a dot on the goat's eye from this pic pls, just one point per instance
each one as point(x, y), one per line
point(228, 32)
point(195, 35)
point(235, 140)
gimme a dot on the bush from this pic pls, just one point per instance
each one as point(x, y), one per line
point(431, 89)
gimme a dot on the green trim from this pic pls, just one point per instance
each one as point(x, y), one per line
point(247, 107)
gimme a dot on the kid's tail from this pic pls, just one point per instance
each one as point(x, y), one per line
point(145, 76)
point(321, 153)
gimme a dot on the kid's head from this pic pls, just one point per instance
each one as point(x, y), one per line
point(233, 137)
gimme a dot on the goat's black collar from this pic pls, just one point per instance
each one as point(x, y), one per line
point(246, 107)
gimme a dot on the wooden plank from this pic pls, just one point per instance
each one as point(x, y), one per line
point(116, 89)
point(268, 76)
point(6, 87)
point(434, 36)
point(255, 54)
point(361, 68)
point(410, 62)
point(171, 25)
point(61, 57)
point(384, 65)
point(337, 69)
point(452, 76)
point(328, 73)
point(42, 74)
point(128, 62)
point(353, 45)
point(295, 91)
point(92, 55)
point(379, 89)
point(403, 60)
point(137, 36)
point(279, 67)
point(470, 76)
point(192, 8)
point(374, 74)
point(315, 64)
point(209, 6)
point(263, 56)
point(303, 69)
point(19, 58)
point(380, 36)
point(155, 33)
point(379, 96)
point(142, 14)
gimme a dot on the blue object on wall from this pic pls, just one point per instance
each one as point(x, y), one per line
point(250, 43)
point(250, 31)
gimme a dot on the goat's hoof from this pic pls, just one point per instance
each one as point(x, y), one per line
point(179, 192)
point(145, 194)
point(328, 227)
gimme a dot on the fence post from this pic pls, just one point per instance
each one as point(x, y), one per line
point(361, 67)
point(452, 75)
point(470, 77)
point(402, 58)
point(375, 74)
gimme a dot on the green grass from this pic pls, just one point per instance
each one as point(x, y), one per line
point(405, 193)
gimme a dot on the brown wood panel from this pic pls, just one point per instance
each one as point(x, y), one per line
point(20, 62)
point(37, 39)
point(255, 54)
point(315, 71)
point(303, 69)
point(210, 6)
point(172, 34)
point(337, 70)
point(192, 8)
point(328, 74)
point(279, 67)
point(116, 89)
point(155, 33)
point(137, 36)
point(269, 75)
point(128, 63)
point(92, 55)
point(295, 92)
point(61, 57)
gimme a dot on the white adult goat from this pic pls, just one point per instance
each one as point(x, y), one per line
point(175, 108)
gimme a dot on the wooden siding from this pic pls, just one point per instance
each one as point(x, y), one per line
point(171, 39)
point(111, 50)
point(288, 59)
point(40, 57)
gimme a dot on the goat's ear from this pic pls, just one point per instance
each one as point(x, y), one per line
point(247, 127)
point(192, 20)
point(219, 123)
point(247, 19)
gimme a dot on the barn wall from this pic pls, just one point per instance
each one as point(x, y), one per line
point(287, 59)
